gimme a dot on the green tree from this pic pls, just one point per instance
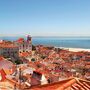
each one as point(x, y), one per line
point(33, 59)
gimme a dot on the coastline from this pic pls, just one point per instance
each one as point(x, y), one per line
point(74, 49)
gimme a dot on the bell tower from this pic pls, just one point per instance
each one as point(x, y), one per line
point(29, 39)
point(29, 43)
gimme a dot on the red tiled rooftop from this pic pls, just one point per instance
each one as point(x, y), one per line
point(24, 54)
point(69, 84)
point(3, 75)
point(7, 66)
point(20, 40)
point(7, 45)
point(2, 58)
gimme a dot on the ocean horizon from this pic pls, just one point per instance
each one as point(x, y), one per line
point(68, 42)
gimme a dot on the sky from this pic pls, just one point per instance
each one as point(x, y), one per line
point(45, 17)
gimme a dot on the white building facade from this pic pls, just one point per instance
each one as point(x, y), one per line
point(9, 51)
point(24, 45)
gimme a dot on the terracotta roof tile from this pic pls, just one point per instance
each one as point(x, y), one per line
point(5, 45)
point(20, 40)
point(2, 75)
point(69, 84)
point(2, 58)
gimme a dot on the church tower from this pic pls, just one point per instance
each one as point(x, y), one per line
point(29, 43)
point(29, 39)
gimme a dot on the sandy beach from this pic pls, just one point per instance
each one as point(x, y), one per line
point(74, 49)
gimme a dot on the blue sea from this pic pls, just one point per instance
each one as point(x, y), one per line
point(69, 42)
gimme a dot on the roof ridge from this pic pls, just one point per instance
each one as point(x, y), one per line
point(84, 80)
point(77, 79)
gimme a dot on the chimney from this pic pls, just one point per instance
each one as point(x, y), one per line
point(43, 80)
